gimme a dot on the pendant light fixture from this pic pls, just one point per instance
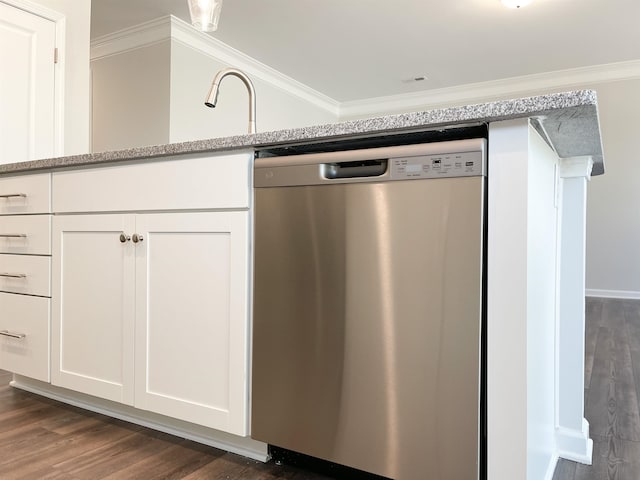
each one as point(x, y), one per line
point(516, 3)
point(205, 14)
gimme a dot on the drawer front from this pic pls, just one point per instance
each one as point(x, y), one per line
point(25, 194)
point(26, 274)
point(200, 182)
point(28, 318)
point(25, 234)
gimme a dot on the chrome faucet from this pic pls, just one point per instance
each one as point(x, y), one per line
point(212, 98)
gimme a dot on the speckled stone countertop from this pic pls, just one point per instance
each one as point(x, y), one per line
point(569, 120)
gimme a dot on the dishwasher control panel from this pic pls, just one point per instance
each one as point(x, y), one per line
point(465, 164)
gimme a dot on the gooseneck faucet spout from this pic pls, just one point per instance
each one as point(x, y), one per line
point(212, 98)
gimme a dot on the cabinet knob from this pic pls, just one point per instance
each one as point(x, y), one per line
point(137, 238)
point(124, 238)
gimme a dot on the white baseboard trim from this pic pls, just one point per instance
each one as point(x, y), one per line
point(244, 446)
point(551, 468)
point(623, 294)
point(575, 445)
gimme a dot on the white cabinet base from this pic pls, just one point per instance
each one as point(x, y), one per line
point(244, 446)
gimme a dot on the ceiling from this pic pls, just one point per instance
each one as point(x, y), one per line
point(357, 49)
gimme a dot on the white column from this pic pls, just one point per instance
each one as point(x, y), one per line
point(572, 430)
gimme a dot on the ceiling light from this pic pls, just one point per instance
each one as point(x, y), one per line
point(516, 3)
point(205, 14)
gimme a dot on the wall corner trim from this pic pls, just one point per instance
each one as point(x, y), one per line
point(575, 445)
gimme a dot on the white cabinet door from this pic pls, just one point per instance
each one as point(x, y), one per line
point(191, 317)
point(26, 85)
point(93, 305)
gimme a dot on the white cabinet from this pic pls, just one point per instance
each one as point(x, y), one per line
point(150, 307)
point(25, 249)
point(191, 317)
point(93, 306)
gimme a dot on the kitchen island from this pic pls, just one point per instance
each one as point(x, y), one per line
point(542, 151)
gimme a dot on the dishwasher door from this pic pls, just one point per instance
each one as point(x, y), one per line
point(367, 324)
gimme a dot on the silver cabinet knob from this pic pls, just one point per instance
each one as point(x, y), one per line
point(137, 238)
point(124, 238)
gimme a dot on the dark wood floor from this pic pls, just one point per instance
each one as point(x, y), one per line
point(612, 390)
point(43, 439)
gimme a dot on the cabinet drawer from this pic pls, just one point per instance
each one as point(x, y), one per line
point(25, 194)
point(22, 234)
point(194, 182)
point(26, 274)
point(28, 318)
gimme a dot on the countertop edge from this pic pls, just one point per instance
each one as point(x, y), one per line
point(570, 119)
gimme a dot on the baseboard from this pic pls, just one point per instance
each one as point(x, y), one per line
point(551, 469)
point(575, 445)
point(244, 446)
point(623, 294)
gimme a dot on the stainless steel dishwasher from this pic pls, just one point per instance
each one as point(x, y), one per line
point(368, 307)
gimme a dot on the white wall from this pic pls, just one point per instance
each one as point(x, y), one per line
point(130, 98)
point(76, 72)
point(613, 200)
point(150, 83)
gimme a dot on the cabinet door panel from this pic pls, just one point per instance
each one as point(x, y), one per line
point(93, 306)
point(191, 317)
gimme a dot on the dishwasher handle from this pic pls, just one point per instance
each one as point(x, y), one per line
point(355, 169)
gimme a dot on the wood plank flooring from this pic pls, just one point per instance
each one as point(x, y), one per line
point(612, 390)
point(41, 439)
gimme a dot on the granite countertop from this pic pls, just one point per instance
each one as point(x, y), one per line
point(568, 120)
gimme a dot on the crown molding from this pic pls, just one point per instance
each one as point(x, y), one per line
point(138, 36)
point(481, 92)
point(184, 33)
point(172, 28)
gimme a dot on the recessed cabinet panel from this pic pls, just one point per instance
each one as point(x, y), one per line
point(24, 341)
point(93, 305)
point(191, 318)
point(188, 305)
